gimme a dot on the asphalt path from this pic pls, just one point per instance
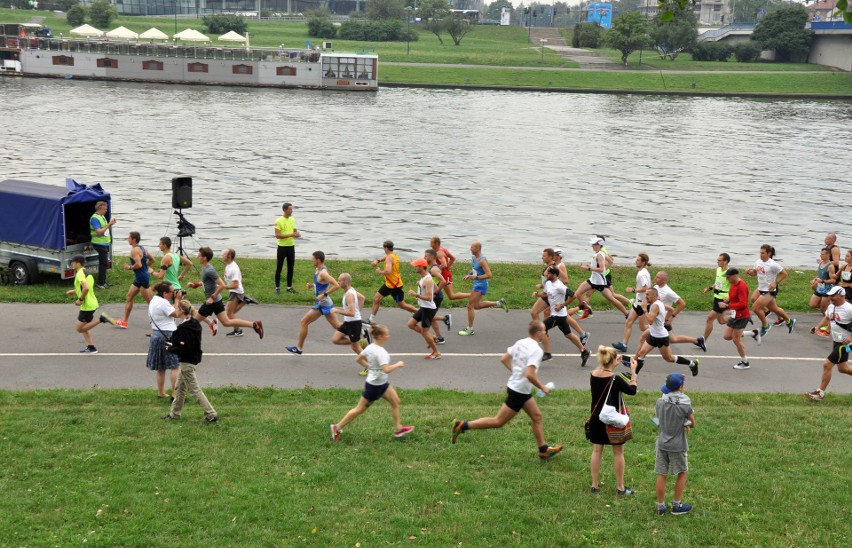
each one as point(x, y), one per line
point(41, 351)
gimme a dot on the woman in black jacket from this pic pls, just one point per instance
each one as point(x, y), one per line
point(186, 343)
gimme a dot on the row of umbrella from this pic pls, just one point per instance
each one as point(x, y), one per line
point(122, 33)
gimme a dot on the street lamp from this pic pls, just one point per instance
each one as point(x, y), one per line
point(408, 30)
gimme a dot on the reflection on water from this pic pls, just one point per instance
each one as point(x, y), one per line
point(680, 178)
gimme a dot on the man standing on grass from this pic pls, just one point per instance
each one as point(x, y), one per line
point(839, 315)
point(140, 261)
point(523, 359)
point(480, 273)
point(286, 232)
point(99, 229)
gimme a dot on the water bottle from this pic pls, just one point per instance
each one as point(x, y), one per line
point(540, 393)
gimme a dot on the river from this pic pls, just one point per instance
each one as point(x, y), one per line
point(680, 178)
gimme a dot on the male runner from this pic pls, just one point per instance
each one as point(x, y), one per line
point(213, 286)
point(554, 292)
point(393, 281)
point(85, 292)
point(431, 257)
point(140, 261)
point(169, 265)
point(421, 321)
point(658, 336)
point(839, 315)
point(234, 285)
point(349, 333)
point(480, 274)
point(324, 285)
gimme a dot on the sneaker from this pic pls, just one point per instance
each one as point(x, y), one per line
point(433, 356)
point(250, 300)
point(235, 333)
point(626, 492)
point(467, 331)
point(694, 367)
point(791, 323)
point(403, 431)
point(89, 350)
point(503, 304)
point(211, 420)
point(550, 452)
point(702, 344)
point(335, 433)
point(294, 350)
point(100, 286)
point(367, 336)
point(755, 334)
point(290, 290)
point(764, 329)
point(661, 510)
point(448, 321)
point(546, 356)
point(621, 347)
point(362, 373)
point(778, 321)
point(258, 328)
point(640, 363)
point(816, 395)
point(585, 313)
point(821, 333)
point(584, 357)
point(457, 430)
point(742, 365)
point(277, 290)
point(439, 340)
point(585, 338)
point(169, 417)
point(214, 327)
point(680, 508)
point(105, 318)
point(594, 490)
point(120, 323)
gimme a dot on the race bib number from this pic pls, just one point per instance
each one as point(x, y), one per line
point(733, 314)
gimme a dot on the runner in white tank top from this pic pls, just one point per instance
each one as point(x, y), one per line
point(349, 332)
point(421, 321)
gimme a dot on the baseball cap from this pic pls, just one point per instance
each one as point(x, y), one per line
point(836, 290)
point(596, 241)
point(673, 382)
point(419, 262)
point(731, 272)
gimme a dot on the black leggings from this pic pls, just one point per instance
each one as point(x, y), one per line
point(285, 252)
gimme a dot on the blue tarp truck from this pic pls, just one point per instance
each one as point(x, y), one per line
point(43, 226)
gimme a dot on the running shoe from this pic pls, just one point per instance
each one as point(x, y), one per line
point(362, 373)
point(367, 336)
point(120, 323)
point(294, 350)
point(755, 334)
point(212, 420)
point(433, 356)
point(764, 329)
point(457, 429)
point(403, 431)
point(258, 328)
point(250, 300)
point(681, 508)
point(467, 331)
point(546, 356)
point(550, 452)
point(100, 286)
point(640, 363)
point(661, 510)
point(816, 395)
point(89, 350)
point(821, 333)
point(626, 492)
point(585, 312)
point(214, 327)
point(584, 357)
point(621, 347)
point(595, 490)
point(503, 304)
point(235, 333)
point(742, 365)
point(791, 323)
point(290, 290)
point(439, 340)
point(169, 417)
point(702, 344)
point(277, 290)
point(105, 318)
point(778, 322)
point(335, 432)
point(585, 338)
point(694, 368)
point(448, 321)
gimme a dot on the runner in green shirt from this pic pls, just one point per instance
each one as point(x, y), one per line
point(84, 290)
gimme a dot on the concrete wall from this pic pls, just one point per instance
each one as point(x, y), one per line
point(832, 50)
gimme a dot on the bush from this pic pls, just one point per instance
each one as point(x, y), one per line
point(321, 27)
point(221, 24)
point(587, 35)
point(101, 13)
point(376, 31)
point(711, 51)
point(747, 52)
point(76, 16)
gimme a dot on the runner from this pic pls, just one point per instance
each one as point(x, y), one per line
point(523, 360)
point(845, 278)
point(769, 273)
point(834, 251)
point(480, 273)
point(720, 294)
point(658, 336)
point(431, 257)
point(637, 310)
point(549, 258)
point(349, 332)
point(84, 290)
point(445, 260)
point(422, 319)
point(597, 282)
point(140, 261)
point(839, 315)
point(554, 292)
point(674, 305)
point(736, 309)
point(324, 284)
point(824, 281)
point(213, 287)
point(234, 285)
point(169, 265)
point(377, 361)
point(393, 282)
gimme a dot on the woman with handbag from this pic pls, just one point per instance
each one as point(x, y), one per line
point(607, 389)
point(162, 315)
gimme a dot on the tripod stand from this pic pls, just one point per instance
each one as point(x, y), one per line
point(185, 230)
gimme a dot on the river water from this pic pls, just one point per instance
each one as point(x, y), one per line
point(679, 178)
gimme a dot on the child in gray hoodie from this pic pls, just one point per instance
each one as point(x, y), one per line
point(675, 414)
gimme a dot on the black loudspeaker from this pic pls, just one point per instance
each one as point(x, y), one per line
point(182, 192)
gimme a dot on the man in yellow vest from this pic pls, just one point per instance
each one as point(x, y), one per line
point(99, 228)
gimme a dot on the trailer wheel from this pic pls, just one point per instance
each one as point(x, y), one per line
point(21, 274)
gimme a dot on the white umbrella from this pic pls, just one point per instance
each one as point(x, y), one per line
point(191, 35)
point(154, 34)
point(87, 30)
point(122, 33)
point(232, 36)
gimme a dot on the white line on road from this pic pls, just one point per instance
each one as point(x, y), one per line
point(343, 355)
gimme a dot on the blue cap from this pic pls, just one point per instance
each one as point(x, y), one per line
point(673, 382)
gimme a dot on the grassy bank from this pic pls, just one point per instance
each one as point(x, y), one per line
point(515, 281)
point(100, 468)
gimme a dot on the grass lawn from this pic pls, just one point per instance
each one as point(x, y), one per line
point(515, 281)
point(100, 468)
point(651, 61)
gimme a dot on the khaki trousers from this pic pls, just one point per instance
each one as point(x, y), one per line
point(189, 383)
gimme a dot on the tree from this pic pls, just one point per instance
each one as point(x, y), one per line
point(676, 35)
point(457, 28)
point(101, 13)
point(783, 30)
point(436, 27)
point(628, 34)
point(321, 27)
point(221, 24)
point(667, 13)
point(76, 15)
point(432, 9)
point(383, 10)
point(495, 9)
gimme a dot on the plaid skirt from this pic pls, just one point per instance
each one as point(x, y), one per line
point(158, 357)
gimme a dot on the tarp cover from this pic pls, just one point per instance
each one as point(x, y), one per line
point(34, 213)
